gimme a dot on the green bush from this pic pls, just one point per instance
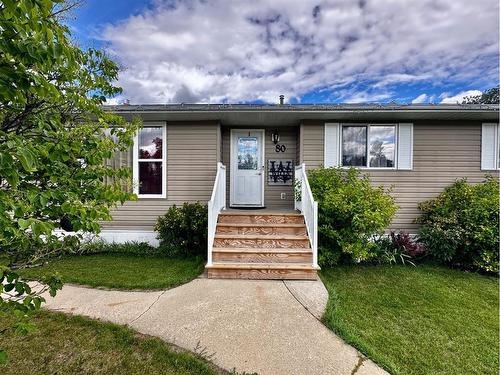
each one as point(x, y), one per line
point(350, 212)
point(129, 248)
point(460, 226)
point(182, 231)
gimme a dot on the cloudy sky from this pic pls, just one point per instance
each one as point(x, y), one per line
point(312, 51)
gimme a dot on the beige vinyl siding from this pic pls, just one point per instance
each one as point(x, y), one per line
point(192, 156)
point(312, 135)
point(297, 146)
point(442, 153)
point(272, 193)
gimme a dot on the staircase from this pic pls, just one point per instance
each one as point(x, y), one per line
point(261, 246)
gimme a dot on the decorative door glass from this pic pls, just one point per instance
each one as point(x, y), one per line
point(248, 157)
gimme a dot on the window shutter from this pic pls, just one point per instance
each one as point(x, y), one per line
point(489, 146)
point(405, 146)
point(332, 144)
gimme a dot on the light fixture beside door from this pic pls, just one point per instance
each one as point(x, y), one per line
point(275, 136)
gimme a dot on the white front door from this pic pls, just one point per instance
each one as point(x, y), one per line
point(247, 168)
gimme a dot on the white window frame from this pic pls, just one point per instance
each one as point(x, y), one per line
point(163, 160)
point(496, 146)
point(368, 126)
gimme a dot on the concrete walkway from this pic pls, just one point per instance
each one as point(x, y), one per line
point(268, 327)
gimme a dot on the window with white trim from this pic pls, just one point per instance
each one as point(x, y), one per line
point(150, 162)
point(490, 146)
point(368, 146)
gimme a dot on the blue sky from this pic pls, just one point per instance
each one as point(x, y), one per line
point(89, 18)
point(335, 51)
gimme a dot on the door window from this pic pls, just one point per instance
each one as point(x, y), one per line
point(247, 153)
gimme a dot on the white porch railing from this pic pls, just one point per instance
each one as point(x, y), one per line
point(216, 203)
point(305, 203)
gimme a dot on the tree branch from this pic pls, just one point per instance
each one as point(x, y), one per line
point(66, 8)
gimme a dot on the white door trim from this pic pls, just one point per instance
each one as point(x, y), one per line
point(233, 165)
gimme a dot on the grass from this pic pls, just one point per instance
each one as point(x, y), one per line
point(120, 271)
point(63, 344)
point(423, 320)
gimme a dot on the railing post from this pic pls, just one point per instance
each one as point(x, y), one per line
point(302, 186)
point(216, 203)
point(296, 178)
point(224, 198)
point(209, 234)
point(309, 208)
point(315, 235)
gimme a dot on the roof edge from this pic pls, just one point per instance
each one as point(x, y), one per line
point(334, 108)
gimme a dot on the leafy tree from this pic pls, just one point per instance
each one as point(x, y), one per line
point(55, 136)
point(490, 96)
point(55, 139)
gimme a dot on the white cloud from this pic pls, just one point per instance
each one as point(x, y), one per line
point(422, 98)
point(365, 97)
point(458, 98)
point(401, 78)
point(114, 101)
point(215, 51)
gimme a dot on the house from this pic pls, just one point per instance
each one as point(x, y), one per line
point(243, 159)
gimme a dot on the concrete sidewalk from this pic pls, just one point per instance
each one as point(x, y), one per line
point(268, 327)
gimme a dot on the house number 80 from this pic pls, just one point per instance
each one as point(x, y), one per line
point(280, 148)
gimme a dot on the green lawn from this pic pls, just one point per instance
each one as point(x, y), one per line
point(65, 344)
point(120, 271)
point(423, 320)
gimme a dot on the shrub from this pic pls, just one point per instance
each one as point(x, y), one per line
point(130, 248)
point(350, 212)
point(182, 231)
point(407, 245)
point(397, 248)
point(382, 248)
point(460, 226)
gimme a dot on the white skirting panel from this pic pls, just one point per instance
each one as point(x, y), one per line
point(122, 236)
point(117, 236)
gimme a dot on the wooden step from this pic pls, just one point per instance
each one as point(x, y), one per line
point(253, 255)
point(261, 241)
point(246, 218)
point(267, 245)
point(276, 271)
point(262, 228)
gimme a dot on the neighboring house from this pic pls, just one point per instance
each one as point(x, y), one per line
point(417, 149)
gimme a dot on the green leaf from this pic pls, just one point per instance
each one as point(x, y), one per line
point(43, 200)
point(9, 287)
point(27, 159)
point(37, 302)
point(24, 224)
point(24, 327)
point(13, 179)
point(20, 287)
point(3, 357)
